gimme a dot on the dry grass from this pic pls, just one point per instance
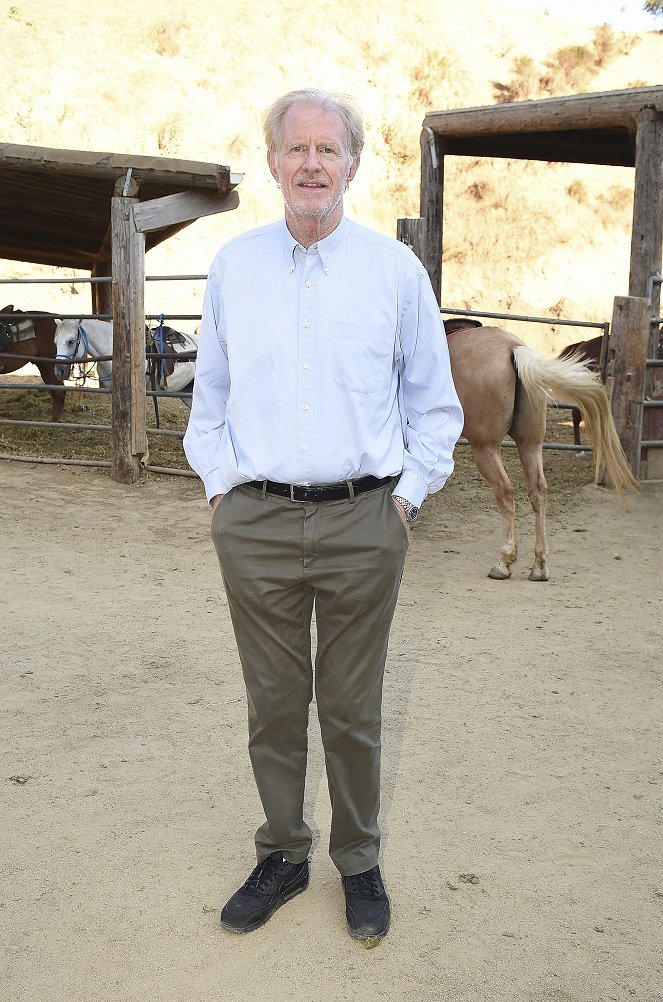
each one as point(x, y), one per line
point(81, 408)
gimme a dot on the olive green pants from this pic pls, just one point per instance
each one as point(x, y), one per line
point(279, 560)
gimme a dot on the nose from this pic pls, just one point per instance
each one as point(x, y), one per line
point(312, 161)
point(62, 371)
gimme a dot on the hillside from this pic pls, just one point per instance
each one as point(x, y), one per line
point(192, 80)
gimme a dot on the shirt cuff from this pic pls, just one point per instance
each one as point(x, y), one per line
point(412, 488)
point(214, 484)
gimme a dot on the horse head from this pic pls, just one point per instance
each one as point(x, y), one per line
point(70, 344)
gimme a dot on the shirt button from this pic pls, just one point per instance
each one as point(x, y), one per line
point(305, 448)
point(306, 365)
point(304, 407)
point(307, 284)
point(307, 324)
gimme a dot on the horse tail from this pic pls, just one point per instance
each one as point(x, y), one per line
point(548, 379)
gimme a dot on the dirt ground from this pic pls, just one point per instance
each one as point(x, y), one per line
point(523, 761)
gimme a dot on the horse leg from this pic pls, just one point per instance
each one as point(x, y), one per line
point(531, 457)
point(489, 464)
point(575, 415)
point(47, 372)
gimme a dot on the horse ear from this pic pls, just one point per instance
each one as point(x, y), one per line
point(7, 309)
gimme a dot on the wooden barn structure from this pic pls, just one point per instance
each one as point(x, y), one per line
point(100, 212)
point(622, 128)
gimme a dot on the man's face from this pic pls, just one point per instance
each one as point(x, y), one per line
point(312, 165)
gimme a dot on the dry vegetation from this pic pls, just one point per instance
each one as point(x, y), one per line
point(193, 80)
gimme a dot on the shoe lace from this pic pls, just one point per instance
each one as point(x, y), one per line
point(366, 885)
point(261, 879)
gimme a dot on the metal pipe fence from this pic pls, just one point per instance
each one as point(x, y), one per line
point(81, 387)
point(558, 446)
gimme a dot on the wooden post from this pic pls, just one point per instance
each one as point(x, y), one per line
point(412, 233)
point(102, 292)
point(432, 181)
point(128, 256)
point(629, 336)
point(647, 235)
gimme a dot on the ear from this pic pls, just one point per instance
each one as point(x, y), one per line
point(354, 168)
point(273, 161)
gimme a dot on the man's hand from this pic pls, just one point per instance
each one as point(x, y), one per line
point(215, 502)
point(402, 514)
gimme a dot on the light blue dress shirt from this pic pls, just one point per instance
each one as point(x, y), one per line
point(322, 365)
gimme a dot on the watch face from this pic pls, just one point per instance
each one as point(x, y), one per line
point(413, 514)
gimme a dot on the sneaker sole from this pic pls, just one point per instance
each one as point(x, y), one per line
point(370, 939)
point(277, 904)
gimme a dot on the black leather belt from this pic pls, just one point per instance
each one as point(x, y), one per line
point(324, 492)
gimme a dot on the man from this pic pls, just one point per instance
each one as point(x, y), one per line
point(323, 414)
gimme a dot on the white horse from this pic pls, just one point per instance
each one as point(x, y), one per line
point(76, 340)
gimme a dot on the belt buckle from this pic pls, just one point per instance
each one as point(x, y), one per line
point(292, 494)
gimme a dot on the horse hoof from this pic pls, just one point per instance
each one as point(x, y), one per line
point(500, 572)
point(539, 574)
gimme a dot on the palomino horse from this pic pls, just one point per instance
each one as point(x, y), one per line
point(30, 338)
point(79, 339)
point(504, 388)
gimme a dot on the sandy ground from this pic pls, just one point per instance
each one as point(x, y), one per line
point(523, 762)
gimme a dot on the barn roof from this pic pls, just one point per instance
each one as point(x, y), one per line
point(55, 204)
point(583, 128)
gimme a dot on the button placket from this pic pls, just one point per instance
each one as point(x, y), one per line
point(306, 368)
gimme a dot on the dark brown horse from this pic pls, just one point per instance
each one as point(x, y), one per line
point(31, 339)
point(588, 352)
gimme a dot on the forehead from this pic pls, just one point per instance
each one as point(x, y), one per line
point(306, 120)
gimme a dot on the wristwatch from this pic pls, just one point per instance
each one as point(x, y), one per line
point(411, 510)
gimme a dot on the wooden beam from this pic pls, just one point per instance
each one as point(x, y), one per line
point(615, 147)
point(109, 166)
point(183, 207)
point(129, 438)
point(647, 233)
point(629, 337)
point(431, 193)
point(608, 109)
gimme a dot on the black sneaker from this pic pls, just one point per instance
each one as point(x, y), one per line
point(270, 885)
point(366, 905)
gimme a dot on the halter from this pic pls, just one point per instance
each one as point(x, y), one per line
point(81, 339)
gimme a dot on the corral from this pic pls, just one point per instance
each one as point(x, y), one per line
point(522, 759)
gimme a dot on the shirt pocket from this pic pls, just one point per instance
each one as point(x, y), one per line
point(363, 356)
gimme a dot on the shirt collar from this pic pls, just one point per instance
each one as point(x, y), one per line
point(328, 248)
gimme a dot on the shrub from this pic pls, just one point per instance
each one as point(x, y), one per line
point(165, 37)
point(577, 191)
point(524, 83)
point(569, 69)
point(479, 190)
point(606, 46)
point(429, 76)
point(169, 136)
